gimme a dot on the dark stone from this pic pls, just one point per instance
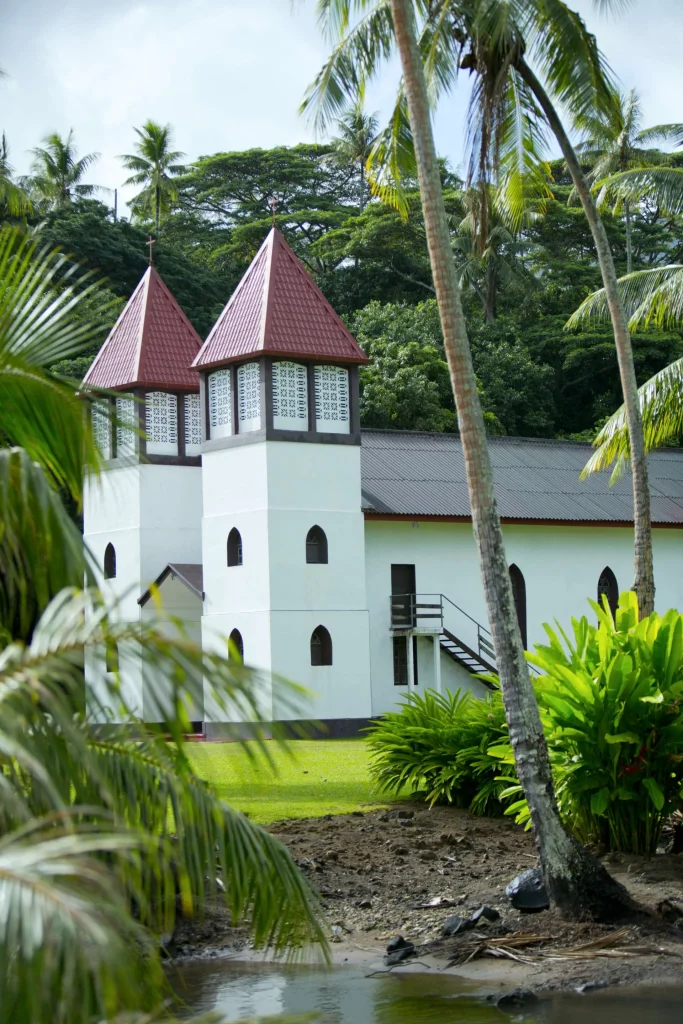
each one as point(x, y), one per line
point(364, 905)
point(407, 821)
point(427, 855)
point(486, 912)
point(527, 891)
point(400, 955)
point(517, 1000)
point(356, 814)
point(591, 986)
point(398, 942)
point(456, 924)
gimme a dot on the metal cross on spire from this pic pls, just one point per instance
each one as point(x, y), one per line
point(273, 203)
point(150, 243)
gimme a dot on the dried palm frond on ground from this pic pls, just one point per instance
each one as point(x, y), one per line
point(508, 946)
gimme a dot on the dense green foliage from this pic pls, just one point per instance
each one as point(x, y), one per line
point(611, 705)
point(535, 377)
point(610, 699)
point(438, 744)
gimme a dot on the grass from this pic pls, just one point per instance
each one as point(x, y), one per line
point(312, 778)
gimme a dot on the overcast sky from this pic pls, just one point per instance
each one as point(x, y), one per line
point(230, 74)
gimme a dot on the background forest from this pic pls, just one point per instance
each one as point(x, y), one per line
point(536, 378)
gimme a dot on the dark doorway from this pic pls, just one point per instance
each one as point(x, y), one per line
point(403, 596)
point(519, 597)
point(316, 546)
point(608, 586)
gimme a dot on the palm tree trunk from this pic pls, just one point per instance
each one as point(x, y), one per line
point(644, 580)
point(576, 882)
point(157, 196)
point(629, 242)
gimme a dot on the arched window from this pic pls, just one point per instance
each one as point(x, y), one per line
point(607, 586)
point(321, 646)
point(519, 597)
point(111, 656)
point(234, 547)
point(236, 646)
point(316, 546)
point(110, 562)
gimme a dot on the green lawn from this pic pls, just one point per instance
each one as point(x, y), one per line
point(312, 778)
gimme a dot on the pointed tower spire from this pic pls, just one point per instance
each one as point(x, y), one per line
point(278, 310)
point(151, 345)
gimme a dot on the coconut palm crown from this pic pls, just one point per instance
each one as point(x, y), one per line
point(154, 165)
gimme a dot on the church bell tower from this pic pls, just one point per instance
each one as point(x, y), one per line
point(283, 531)
point(144, 511)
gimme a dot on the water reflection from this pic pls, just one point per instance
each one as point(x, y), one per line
point(343, 995)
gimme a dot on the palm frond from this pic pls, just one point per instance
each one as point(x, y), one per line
point(39, 410)
point(356, 58)
point(661, 185)
point(650, 297)
point(70, 950)
point(663, 133)
point(661, 405)
point(144, 781)
point(41, 549)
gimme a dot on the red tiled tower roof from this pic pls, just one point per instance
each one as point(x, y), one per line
point(278, 310)
point(152, 344)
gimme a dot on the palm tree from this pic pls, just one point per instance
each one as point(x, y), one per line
point(57, 173)
point(510, 108)
point(651, 297)
point(12, 196)
point(154, 164)
point(353, 145)
point(612, 144)
point(577, 883)
point(100, 838)
point(489, 264)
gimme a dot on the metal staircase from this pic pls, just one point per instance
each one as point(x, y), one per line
point(472, 645)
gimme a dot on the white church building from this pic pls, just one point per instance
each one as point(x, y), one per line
point(338, 558)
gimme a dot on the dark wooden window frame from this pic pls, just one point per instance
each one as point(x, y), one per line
point(321, 647)
point(316, 546)
point(109, 565)
point(519, 595)
point(607, 584)
point(235, 550)
point(237, 644)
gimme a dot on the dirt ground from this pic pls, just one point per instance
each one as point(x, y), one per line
point(379, 875)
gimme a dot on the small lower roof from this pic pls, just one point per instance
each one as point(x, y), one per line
point(191, 574)
point(412, 473)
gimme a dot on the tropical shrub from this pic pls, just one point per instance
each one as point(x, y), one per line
point(610, 701)
point(437, 744)
point(611, 704)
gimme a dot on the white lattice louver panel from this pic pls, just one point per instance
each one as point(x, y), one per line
point(220, 404)
point(101, 426)
point(193, 425)
point(290, 396)
point(126, 438)
point(249, 397)
point(161, 423)
point(332, 400)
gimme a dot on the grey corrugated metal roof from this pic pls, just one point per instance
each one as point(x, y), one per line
point(189, 573)
point(413, 473)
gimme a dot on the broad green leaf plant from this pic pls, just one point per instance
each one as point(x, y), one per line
point(611, 704)
point(106, 834)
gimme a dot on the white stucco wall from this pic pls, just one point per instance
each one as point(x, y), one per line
point(152, 515)
point(273, 493)
point(179, 602)
point(561, 567)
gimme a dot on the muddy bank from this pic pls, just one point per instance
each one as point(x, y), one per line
point(381, 874)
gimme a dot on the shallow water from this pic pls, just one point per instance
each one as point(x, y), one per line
point(344, 995)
